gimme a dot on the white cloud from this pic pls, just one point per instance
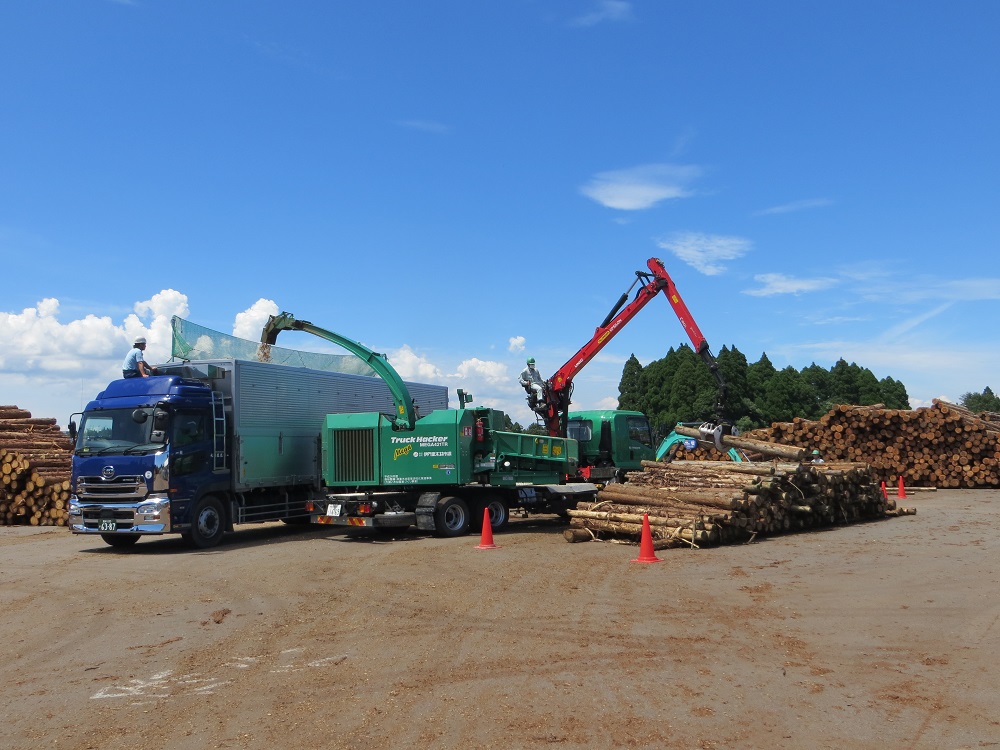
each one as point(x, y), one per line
point(922, 289)
point(908, 325)
point(250, 323)
point(516, 344)
point(35, 340)
point(163, 304)
point(53, 368)
point(161, 307)
point(779, 283)
point(606, 10)
point(608, 402)
point(706, 252)
point(802, 205)
point(487, 371)
point(412, 366)
point(640, 187)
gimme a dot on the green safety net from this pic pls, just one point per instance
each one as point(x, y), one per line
point(191, 341)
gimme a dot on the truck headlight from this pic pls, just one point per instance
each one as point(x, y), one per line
point(151, 509)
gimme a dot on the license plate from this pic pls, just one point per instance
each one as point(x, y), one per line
point(333, 509)
point(107, 525)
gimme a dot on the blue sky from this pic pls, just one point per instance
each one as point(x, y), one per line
point(464, 184)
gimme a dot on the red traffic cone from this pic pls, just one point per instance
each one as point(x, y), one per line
point(646, 553)
point(902, 491)
point(885, 493)
point(486, 540)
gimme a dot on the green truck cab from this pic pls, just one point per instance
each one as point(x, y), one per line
point(611, 442)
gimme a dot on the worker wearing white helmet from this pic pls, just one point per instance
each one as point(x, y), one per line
point(532, 382)
point(134, 365)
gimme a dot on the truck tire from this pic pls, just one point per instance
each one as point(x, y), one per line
point(209, 523)
point(120, 541)
point(451, 517)
point(499, 512)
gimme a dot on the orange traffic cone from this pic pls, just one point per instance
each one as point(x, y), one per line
point(646, 553)
point(486, 540)
point(902, 491)
point(885, 493)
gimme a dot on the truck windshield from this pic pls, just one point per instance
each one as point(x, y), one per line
point(114, 431)
point(640, 431)
point(580, 430)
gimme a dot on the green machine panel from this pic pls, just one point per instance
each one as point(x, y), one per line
point(350, 449)
point(437, 451)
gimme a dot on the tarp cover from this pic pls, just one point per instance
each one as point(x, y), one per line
point(191, 341)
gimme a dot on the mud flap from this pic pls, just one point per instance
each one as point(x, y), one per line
point(426, 506)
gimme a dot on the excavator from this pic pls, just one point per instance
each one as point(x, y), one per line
point(553, 408)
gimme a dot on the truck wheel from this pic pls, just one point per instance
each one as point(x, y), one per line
point(209, 523)
point(451, 517)
point(499, 513)
point(120, 541)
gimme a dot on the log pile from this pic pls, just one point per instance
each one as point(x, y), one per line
point(943, 445)
point(35, 466)
point(704, 503)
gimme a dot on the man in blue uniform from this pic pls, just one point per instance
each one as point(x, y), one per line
point(134, 365)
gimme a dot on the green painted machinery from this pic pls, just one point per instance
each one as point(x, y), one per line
point(448, 447)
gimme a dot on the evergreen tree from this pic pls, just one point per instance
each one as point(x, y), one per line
point(821, 383)
point(684, 389)
point(630, 389)
point(739, 396)
point(759, 374)
point(845, 386)
point(657, 377)
point(893, 394)
point(869, 391)
point(787, 396)
point(977, 402)
point(680, 388)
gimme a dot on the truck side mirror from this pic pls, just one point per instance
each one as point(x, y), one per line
point(72, 430)
point(161, 419)
point(139, 416)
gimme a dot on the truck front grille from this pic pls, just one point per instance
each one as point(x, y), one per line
point(89, 489)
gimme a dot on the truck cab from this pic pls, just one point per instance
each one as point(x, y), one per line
point(146, 450)
point(611, 442)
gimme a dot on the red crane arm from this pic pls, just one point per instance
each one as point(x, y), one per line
point(559, 386)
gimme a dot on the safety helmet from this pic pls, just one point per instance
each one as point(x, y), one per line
point(139, 340)
point(815, 453)
point(531, 360)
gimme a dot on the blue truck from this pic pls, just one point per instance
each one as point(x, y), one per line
point(205, 445)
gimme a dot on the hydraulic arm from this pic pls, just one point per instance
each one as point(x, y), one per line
point(559, 387)
point(405, 417)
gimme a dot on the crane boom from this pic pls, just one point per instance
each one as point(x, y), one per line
point(405, 417)
point(559, 387)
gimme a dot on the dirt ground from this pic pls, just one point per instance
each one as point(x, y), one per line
point(878, 635)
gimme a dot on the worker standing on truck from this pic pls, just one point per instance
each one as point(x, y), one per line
point(134, 365)
point(532, 382)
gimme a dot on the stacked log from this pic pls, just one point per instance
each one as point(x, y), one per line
point(35, 466)
point(704, 503)
point(943, 445)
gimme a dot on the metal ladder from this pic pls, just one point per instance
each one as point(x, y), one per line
point(219, 430)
